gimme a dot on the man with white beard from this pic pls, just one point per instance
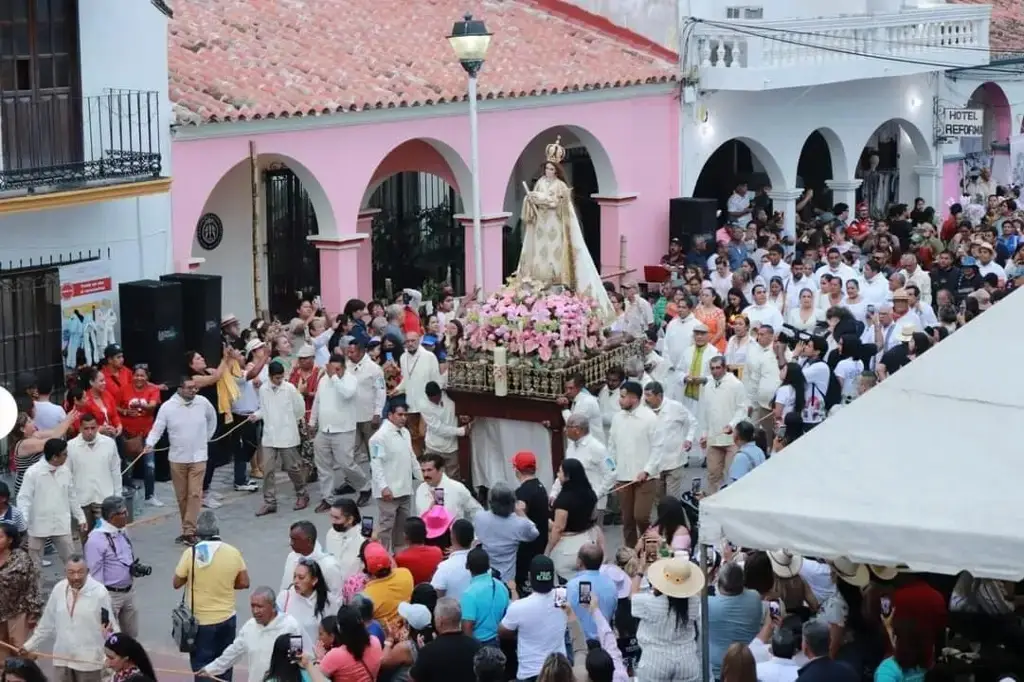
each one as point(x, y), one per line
point(673, 436)
point(679, 337)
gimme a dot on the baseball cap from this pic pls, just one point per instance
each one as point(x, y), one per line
point(542, 574)
point(416, 615)
point(112, 351)
point(524, 459)
point(376, 558)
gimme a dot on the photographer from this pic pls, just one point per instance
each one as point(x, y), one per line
point(818, 378)
point(112, 562)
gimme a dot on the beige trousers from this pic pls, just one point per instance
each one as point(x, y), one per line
point(187, 480)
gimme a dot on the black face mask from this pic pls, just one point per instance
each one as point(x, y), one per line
point(340, 527)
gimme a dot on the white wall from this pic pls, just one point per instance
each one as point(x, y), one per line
point(653, 19)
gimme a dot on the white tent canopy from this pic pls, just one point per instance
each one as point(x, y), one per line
point(926, 470)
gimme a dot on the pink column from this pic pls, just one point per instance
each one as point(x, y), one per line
point(340, 273)
point(491, 230)
point(364, 225)
point(614, 214)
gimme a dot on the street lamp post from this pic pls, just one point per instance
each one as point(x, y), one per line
point(469, 40)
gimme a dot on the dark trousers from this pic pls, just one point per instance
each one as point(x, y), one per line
point(211, 641)
point(219, 452)
point(244, 442)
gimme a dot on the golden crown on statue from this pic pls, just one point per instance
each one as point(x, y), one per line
point(555, 152)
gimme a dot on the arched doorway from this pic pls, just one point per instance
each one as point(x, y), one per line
point(887, 167)
point(737, 160)
point(588, 171)
point(992, 149)
point(821, 159)
point(416, 240)
point(291, 205)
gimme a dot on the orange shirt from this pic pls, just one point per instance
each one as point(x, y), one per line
point(116, 381)
point(132, 398)
point(104, 409)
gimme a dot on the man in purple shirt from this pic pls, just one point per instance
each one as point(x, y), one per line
point(109, 555)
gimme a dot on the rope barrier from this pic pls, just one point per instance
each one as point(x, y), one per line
point(214, 440)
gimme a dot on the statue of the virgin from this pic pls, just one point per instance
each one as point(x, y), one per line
point(554, 252)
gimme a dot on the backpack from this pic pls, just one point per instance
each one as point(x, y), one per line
point(834, 393)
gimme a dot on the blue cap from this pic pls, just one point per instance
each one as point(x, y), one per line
point(968, 262)
point(428, 340)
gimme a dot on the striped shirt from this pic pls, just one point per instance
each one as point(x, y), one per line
point(15, 516)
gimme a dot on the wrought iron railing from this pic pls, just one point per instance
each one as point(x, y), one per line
point(50, 141)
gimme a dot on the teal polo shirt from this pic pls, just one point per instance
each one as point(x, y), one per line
point(484, 603)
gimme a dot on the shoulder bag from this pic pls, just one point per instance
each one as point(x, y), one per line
point(184, 626)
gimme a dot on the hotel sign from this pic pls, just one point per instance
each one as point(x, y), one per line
point(958, 123)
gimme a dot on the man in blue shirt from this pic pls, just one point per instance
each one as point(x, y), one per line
point(485, 601)
point(589, 561)
point(748, 455)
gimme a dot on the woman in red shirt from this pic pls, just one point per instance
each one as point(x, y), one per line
point(137, 404)
point(100, 403)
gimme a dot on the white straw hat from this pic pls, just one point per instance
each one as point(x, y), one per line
point(676, 577)
point(785, 564)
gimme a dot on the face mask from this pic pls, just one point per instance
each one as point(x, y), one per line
point(340, 527)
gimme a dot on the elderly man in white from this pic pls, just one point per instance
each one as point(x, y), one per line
point(47, 499)
point(581, 402)
point(95, 468)
point(333, 418)
point(393, 467)
point(761, 379)
point(419, 367)
point(583, 445)
point(639, 313)
point(73, 618)
point(679, 338)
point(673, 437)
point(255, 640)
point(457, 498)
point(723, 405)
point(443, 428)
point(280, 408)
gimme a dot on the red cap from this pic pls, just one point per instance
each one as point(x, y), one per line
point(524, 459)
point(377, 558)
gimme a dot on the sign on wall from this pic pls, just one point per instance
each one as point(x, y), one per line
point(959, 123)
point(87, 311)
point(210, 231)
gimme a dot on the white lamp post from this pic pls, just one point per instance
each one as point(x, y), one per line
point(470, 40)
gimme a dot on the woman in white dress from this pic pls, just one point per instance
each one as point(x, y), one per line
point(854, 302)
point(807, 314)
point(777, 294)
point(736, 349)
point(554, 252)
point(761, 312)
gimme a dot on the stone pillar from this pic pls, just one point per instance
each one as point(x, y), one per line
point(614, 219)
point(928, 178)
point(364, 225)
point(785, 203)
point(340, 275)
point(844, 192)
point(492, 232)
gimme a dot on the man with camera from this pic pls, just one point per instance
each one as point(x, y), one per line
point(112, 562)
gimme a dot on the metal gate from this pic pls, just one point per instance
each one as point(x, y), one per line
point(30, 326)
point(293, 264)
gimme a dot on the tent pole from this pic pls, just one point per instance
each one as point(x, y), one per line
point(705, 643)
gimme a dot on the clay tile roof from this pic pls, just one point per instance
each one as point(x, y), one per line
point(250, 59)
point(1006, 27)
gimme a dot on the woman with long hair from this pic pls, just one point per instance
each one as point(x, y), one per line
point(572, 514)
point(806, 314)
point(454, 338)
point(556, 668)
point(405, 640)
point(21, 670)
point(735, 303)
point(357, 656)
point(286, 666)
point(667, 632)
point(27, 441)
point(777, 294)
point(307, 599)
point(909, 660)
point(739, 343)
point(709, 311)
point(790, 395)
point(19, 599)
point(671, 528)
point(128, 660)
point(738, 664)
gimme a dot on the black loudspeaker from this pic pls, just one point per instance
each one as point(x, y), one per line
point(689, 217)
point(200, 313)
point(151, 328)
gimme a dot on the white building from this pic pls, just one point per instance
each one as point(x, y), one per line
point(84, 161)
point(799, 93)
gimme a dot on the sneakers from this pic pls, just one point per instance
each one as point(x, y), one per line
point(249, 486)
point(209, 502)
point(301, 503)
point(216, 496)
point(187, 540)
point(266, 509)
point(46, 563)
point(154, 502)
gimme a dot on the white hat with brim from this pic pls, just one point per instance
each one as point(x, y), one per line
point(8, 412)
point(228, 320)
point(907, 331)
point(850, 572)
point(884, 572)
point(306, 351)
point(254, 344)
point(676, 577)
point(785, 564)
point(700, 328)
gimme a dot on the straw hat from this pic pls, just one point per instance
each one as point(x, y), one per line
point(855, 574)
point(675, 577)
point(785, 564)
point(884, 572)
point(8, 412)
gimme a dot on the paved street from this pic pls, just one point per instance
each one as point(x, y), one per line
point(263, 542)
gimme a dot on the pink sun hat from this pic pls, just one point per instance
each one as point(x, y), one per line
point(438, 520)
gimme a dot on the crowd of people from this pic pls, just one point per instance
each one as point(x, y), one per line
point(754, 338)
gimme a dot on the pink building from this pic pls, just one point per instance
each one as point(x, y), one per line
point(351, 122)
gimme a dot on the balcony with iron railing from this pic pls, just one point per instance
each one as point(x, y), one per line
point(54, 142)
point(764, 55)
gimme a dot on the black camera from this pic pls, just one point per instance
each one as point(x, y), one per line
point(139, 569)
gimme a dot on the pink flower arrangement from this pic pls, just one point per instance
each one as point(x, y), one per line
point(533, 322)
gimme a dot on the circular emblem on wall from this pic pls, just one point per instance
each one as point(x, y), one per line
point(210, 231)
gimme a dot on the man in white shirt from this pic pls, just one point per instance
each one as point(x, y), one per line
point(723, 405)
point(539, 623)
point(913, 274)
point(419, 367)
point(639, 315)
point(393, 468)
point(95, 468)
point(637, 463)
point(333, 418)
point(583, 445)
point(302, 539)
point(457, 498)
point(48, 414)
point(673, 437)
point(836, 267)
point(452, 577)
point(761, 378)
point(817, 375)
point(371, 394)
point(875, 289)
point(244, 440)
point(608, 397)
point(47, 499)
point(634, 370)
point(781, 667)
point(256, 639)
point(986, 264)
point(776, 267)
point(579, 401)
point(443, 428)
point(738, 205)
point(281, 408)
point(656, 365)
point(345, 537)
point(190, 422)
point(678, 338)
point(721, 279)
point(72, 617)
point(799, 280)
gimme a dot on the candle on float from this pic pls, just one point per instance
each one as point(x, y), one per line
point(501, 371)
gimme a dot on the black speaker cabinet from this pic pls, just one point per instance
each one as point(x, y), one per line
point(690, 216)
point(200, 313)
point(151, 328)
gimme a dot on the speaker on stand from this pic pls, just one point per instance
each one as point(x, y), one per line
point(201, 313)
